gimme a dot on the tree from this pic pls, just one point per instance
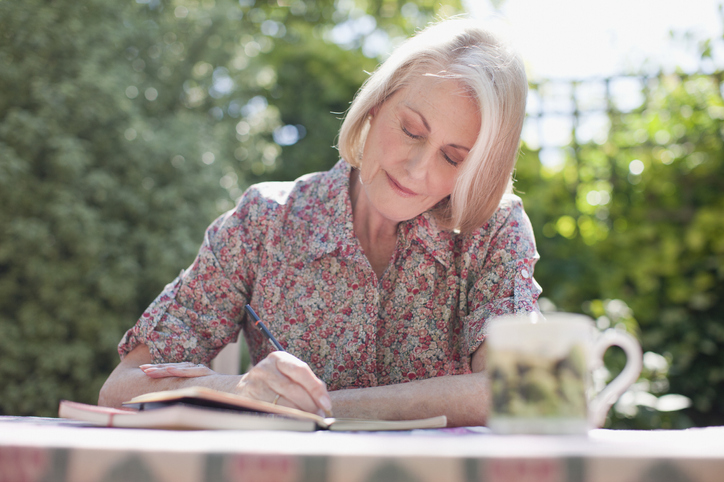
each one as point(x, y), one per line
point(639, 218)
point(125, 128)
point(102, 197)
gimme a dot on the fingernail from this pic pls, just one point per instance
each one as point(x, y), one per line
point(145, 365)
point(326, 403)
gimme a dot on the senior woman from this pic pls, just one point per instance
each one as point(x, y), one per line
point(378, 276)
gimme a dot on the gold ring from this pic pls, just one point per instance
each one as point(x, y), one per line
point(276, 399)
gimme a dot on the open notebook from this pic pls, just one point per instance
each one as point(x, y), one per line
point(199, 408)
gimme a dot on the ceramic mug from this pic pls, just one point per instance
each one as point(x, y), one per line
point(539, 371)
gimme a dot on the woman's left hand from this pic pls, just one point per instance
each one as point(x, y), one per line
point(181, 370)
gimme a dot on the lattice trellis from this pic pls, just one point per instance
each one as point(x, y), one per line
point(569, 113)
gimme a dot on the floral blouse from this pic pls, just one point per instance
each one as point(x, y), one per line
point(289, 250)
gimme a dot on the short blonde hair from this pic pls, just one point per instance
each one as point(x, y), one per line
point(492, 73)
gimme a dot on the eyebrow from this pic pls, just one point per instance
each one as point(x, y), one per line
point(427, 126)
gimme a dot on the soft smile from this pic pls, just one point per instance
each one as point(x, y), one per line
point(396, 186)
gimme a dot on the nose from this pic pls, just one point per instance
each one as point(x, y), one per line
point(419, 162)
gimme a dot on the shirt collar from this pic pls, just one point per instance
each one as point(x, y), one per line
point(333, 203)
point(425, 230)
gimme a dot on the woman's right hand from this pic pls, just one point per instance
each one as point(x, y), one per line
point(278, 374)
point(280, 378)
point(286, 380)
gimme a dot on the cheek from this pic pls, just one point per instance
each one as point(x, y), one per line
point(444, 182)
point(377, 153)
point(384, 141)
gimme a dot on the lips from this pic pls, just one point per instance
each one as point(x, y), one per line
point(396, 186)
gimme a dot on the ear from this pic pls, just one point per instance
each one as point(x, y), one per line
point(373, 111)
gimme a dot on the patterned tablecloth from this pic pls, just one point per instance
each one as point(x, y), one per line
point(38, 449)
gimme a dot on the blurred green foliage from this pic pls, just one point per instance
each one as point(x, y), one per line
point(125, 128)
point(650, 237)
point(102, 196)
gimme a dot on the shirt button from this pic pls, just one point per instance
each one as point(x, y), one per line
point(524, 273)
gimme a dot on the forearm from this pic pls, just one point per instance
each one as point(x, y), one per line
point(279, 378)
point(464, 399)
point(128, 381)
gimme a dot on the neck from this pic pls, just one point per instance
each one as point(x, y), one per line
point(368, 223)
point(376, 234)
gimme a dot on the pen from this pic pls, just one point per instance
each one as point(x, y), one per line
point(263, 327)
point(257, 321)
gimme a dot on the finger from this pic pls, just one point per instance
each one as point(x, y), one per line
point(265, 382)
point(282, 401)
point(181, 370)
point(158, 374)
point(292, 395)
point(304, 378)
point(190, 372)
point(148, 366)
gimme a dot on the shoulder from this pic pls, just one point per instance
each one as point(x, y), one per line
point(507, 233)
point(270, 198)
point(264, 204)
point(267, 197)
point(510, 211)
point(510, 215)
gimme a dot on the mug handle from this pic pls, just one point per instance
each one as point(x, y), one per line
point(599, 406)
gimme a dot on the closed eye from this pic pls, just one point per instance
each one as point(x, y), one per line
point(410, 134)
point(450, 161)
point(447, 158)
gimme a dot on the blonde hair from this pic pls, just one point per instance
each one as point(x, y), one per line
point(493, 75)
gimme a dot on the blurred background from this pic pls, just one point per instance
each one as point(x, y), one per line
point(127, 127)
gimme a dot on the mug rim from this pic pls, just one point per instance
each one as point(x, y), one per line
point(553, 319)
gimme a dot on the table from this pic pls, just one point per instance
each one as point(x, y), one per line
point(40, 449)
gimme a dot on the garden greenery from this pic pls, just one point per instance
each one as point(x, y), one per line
point(125, 128)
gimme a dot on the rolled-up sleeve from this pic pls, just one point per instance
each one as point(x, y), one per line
point(200, 312)
point(504, 284)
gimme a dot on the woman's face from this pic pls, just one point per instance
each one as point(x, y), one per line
point(417, 141)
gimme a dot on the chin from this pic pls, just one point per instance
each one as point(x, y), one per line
point(401, 215)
